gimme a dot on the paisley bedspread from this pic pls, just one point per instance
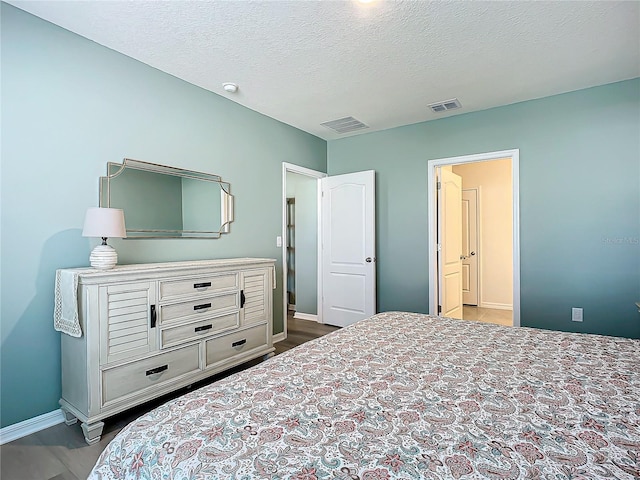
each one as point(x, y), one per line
point(404, 396)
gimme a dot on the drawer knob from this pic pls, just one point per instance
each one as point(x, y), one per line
point(202, 285)
point(161, 369)
point(239, 342)
point(201, 307)
point(203, 328)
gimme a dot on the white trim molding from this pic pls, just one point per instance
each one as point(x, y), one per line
point(278, 337)
point(306, 316)
point(29, 426)
point(514, 155)
point(496, 306)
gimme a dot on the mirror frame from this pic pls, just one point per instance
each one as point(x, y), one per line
point(226, 199)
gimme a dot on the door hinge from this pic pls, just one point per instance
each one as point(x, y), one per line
point(439, 309)
point(438, 185)
point(439, 247)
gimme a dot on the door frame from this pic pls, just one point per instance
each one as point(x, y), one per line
point(514, 154)
point(292, 168)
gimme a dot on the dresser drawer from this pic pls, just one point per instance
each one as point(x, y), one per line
point(192, 286)
point(120, 381)
point(203, 306)
point(225, 347)
point(195, 330)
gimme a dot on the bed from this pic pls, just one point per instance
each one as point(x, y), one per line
point(404, 396)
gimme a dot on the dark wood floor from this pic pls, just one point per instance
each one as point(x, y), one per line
point(60, 452)
point(300, 331)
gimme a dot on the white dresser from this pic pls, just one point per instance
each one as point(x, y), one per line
point(153, 328)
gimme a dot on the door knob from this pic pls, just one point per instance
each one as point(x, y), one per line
point(369, 259)
point(463, 257)
point(472, 253)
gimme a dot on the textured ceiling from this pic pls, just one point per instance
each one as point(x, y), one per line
point(308, 62)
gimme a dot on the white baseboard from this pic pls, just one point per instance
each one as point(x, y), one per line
point(278, 337)
point(291, 307)
point(29, 426)
point(497, 306)
point(306, 316)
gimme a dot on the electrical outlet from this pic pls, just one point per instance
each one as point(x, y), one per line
point(278, 241)
point(576, 314)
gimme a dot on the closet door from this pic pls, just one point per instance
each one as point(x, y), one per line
point(348, 248)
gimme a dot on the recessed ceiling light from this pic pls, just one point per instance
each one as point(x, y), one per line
point(230, 87)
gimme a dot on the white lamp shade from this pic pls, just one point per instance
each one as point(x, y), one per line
point(104, 222)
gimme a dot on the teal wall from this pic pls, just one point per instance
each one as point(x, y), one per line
point(69, 106)
point(579, 203)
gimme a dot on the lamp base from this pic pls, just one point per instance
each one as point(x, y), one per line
point(103, 257)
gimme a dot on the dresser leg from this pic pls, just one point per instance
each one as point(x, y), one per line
point(92, 432)
point(69, 418)
point(267, 356)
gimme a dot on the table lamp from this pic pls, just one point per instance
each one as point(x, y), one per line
point(105, 223)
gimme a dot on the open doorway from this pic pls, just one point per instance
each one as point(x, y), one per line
point(481, 274)
point(300, 229)
point(342, 286)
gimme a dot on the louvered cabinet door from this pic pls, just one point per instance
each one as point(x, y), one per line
point(256, 289)
point(125, 327)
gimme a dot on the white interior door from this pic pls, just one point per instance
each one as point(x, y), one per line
point(450, 243)
point(348, 248)
point(470, 279)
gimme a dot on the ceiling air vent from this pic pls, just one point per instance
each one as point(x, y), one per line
point(345, 125)
point(445, 106)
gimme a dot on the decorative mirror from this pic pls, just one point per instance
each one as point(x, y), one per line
point(167, 202)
